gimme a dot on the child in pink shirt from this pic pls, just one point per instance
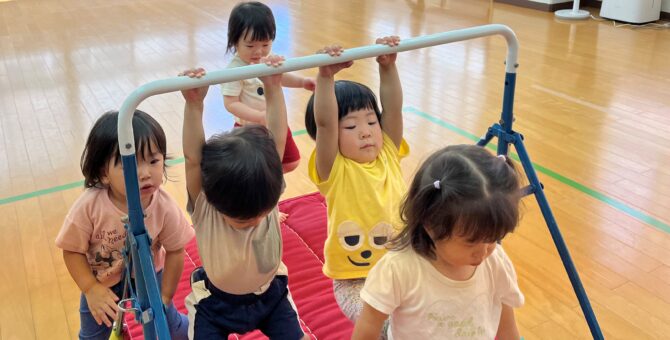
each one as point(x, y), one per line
point(93, 235)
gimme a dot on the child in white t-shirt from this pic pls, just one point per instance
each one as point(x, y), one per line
point(251, 32)
point(446, 276)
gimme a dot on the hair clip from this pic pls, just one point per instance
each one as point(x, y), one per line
point(503, 157)
point(436, 184)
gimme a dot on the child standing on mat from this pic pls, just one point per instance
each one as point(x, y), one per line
point(234, 181)
point(251, 31)
point(93, 235)
point(356, 166)
point(447, 277)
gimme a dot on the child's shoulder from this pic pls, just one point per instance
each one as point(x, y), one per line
point(390, 148)
point(498, 260)
point(89, 197)
point(92, 193)
point(236, 62)
point(164, 196)
point(163, 200)
point(402, 258)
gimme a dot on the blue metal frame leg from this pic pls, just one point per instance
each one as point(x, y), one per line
point(503, 131)
point(151, 314)
point(537, 189)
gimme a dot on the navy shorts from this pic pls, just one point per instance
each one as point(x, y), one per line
point(220, 314)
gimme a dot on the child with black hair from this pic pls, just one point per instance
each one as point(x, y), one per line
point(356, 167)
point(234, 181)
point(447, 276)
point(251, 31)
point(93, 234)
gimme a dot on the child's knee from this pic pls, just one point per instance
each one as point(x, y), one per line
point(348, 297)
point(177, 323)
point(288, 167)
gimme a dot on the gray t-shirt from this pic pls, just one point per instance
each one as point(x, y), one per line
point(237, 261)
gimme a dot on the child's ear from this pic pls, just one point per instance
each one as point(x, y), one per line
point(104, 178)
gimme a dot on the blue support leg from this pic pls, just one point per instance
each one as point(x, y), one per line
point(506, 136)
point(152, 314)
point(484, 140)
point(558, 238)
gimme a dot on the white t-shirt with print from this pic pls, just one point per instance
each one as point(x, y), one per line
point(425, 304)
point(250, 91)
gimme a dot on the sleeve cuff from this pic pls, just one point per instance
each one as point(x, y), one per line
point(375, 303)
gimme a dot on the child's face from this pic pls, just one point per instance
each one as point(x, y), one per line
point(458, 252)
point(149, 173)
point(238, 223)
point(360, 136)
point(250, 51)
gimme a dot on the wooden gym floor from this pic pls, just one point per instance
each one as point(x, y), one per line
point(592, 101)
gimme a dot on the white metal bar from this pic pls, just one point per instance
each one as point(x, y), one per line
point(126, 139)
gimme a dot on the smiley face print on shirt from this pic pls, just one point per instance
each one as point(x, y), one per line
point(361, 247)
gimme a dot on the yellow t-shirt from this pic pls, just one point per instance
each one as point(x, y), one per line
point(363, 209)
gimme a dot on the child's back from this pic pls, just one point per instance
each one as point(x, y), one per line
point(238, 230)
point(234, 181)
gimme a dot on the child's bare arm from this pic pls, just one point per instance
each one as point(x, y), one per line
point(507, 329)
point(243, 111)
point(174, 265)
point(369, 324)
point(325, 114)
point(275, 104)
point(193, 135)
point(100, 299)
point(296, 81)
point(390, 92)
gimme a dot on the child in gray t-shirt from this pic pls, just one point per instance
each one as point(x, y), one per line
point(234, 181)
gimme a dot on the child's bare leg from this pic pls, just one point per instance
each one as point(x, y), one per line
point(288, 167)
point(348, 297)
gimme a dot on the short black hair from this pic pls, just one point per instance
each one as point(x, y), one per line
point(250, 17)
point(477, 197)
point(102, 144)
point(242, 172)
point(350, 96)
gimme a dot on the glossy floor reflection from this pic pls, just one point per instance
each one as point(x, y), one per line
point(592, 101)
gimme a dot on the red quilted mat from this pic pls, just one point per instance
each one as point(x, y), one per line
point(303, 233)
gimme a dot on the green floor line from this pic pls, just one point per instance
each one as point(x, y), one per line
point(567, 181)
point(80, 184)
point(51, 190)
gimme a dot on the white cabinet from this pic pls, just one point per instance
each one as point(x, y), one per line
point(633, 11)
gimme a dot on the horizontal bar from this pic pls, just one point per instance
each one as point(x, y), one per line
point(126, 140)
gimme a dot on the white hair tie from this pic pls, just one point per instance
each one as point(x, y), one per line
point(436, 184)
point(503, 157)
